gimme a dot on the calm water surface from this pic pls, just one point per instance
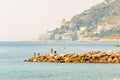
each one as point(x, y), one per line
point(13, 67)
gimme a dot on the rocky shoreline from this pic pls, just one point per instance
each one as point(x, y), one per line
point(90, 57)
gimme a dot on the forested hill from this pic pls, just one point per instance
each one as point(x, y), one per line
point(102, 21)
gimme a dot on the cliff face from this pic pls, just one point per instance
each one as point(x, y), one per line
point(100, 21)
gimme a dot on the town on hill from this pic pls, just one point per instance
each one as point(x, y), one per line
point(99, 23)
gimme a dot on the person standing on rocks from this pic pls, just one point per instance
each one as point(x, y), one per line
point(38, 54)
point(51, 50)
point(55, 51)
point(34, 54)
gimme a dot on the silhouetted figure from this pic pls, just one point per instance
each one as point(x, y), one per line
point(38, 54)
point(55, 51)
point(51, 50)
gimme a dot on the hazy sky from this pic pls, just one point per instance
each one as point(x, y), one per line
point(26, 19)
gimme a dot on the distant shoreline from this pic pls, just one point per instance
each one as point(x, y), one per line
point(81, 40)
point(77, 41)
point(89, 40)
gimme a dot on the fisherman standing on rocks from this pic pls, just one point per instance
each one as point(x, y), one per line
point(34, 54)
point(55, 51)
point(38, 54)
point(51, 50)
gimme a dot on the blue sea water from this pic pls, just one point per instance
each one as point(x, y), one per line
point(13, 67)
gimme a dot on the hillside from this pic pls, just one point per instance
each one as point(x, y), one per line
point(100, 21)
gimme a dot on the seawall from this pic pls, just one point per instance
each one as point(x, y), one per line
point(90, 57)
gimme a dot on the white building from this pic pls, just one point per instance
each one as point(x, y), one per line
point(44, 37)
point(66, 37)
point(57, 36)
point(82, 29)
point(99, 29)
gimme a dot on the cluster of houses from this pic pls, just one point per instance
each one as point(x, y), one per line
point(63, 37)
point(68, 35)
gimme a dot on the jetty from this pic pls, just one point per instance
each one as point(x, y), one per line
point(89, 57)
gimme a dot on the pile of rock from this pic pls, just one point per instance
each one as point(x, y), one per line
point(90, 57)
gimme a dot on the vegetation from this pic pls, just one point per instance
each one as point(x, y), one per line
point(106, 14)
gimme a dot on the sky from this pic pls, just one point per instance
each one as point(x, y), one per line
point(22, 20)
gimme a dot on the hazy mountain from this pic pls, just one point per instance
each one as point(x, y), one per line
point(102, 21)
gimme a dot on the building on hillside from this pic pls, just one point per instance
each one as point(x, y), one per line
point(66, 37)
point(81, 35)
point(71, 25)
point(82, 29)
point(57, 37)
point(62, 22)
point(63, 37)
point(44, 37)
point(99, 29)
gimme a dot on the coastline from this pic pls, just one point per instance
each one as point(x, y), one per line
point(84, 40)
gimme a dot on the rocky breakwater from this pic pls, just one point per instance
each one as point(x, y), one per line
point(90, 57)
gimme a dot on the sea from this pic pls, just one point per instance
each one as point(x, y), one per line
point(13, 67)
